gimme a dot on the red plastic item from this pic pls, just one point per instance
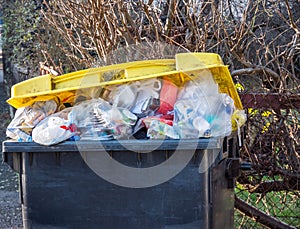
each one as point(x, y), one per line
point(72, 127)
point(168, 95)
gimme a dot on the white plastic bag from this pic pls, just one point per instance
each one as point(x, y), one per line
point(54, 129)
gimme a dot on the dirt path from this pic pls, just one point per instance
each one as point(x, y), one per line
point(10, 208)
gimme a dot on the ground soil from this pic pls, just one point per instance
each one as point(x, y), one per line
point(10, 207)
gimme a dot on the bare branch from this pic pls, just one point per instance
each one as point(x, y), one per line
point(260, 216)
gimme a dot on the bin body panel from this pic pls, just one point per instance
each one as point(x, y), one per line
point(59, 190)
point(222, 198)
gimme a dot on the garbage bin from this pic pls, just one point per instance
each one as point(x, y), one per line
point(59, 190)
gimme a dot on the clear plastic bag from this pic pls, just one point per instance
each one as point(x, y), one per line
point(201, 111)
point(26, 118)
point(96, 119)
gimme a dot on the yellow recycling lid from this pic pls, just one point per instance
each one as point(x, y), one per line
point(183, 65)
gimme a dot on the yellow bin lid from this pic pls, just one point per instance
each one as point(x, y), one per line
point(45, 87)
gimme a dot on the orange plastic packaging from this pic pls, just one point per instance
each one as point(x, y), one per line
point(168, 95)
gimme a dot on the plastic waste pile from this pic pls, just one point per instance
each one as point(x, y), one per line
point(192, 96)
point(155, 108)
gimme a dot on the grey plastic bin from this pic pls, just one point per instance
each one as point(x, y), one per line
point(58, 190)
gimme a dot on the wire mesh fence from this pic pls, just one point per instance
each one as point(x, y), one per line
point(270, 191)
point(242, 221)
point(283, 205)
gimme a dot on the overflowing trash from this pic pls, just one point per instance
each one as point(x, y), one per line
point(158, 107)
point(192, 96)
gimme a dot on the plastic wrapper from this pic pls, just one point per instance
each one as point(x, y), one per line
point(147, 99)
point(238, 119)
point(123, 95)
point(55, 128)
point(26, 118)
point(96, 119)
point(140, 97)
point(167, 119)
point(160, 130)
